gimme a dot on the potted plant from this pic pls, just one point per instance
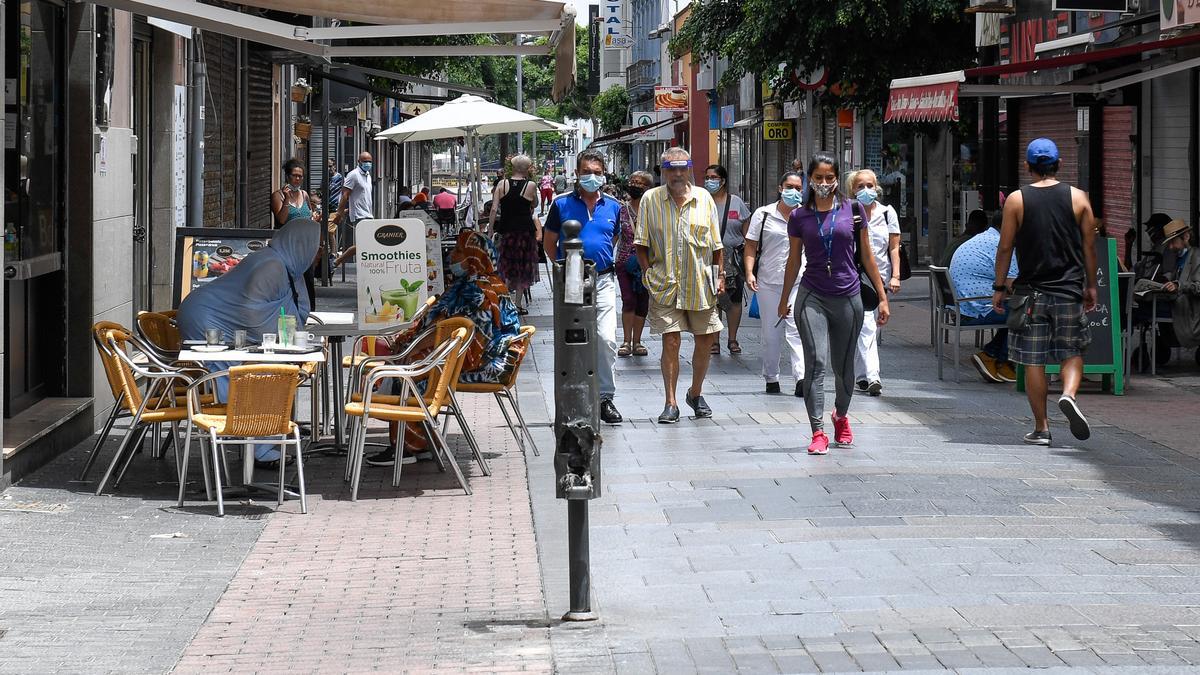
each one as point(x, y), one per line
point(303, 127)
point(300, 90)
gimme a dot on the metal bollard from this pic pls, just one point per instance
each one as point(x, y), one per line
point(576, 409)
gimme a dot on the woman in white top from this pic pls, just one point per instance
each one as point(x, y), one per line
point(767, 244)
point(883, 225)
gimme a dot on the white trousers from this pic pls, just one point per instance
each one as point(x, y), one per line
point(866, 357)
point(773, 336)
point(606, 330)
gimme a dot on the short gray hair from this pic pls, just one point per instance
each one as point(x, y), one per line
point(521, 163)
point(675, 152)
point(644, 175)
point(591, 155)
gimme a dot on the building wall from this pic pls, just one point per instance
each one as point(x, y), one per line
point(112, 209)
point(168, 122)
point(1170, 185)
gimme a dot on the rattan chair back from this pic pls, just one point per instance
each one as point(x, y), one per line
point(160, 330)
point(260, 400)
point(129, 394)
point(438, 386)
point(107, 358)
point(443, 331)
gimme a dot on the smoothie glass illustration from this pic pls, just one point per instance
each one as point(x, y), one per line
point(405, 298)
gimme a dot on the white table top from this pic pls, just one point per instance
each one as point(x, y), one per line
point(243, 356)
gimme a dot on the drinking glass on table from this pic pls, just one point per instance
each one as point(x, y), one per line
point(239, 339)
point(287, 330)
point(212, 336)
point(268, 342)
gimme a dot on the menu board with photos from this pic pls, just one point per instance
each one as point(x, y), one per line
point(203, 254)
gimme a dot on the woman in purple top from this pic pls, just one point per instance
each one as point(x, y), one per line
point(829, 310)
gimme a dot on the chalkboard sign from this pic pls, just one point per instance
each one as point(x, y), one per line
point(1105, 354)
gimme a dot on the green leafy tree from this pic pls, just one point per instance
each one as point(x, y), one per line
point(863, 44)
point(611, 108)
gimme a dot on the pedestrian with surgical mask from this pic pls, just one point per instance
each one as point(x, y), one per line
point(734, 214)
point(828, 235)
point(357, 202)
point(883, 227)
point(600, 215)
point(765, 261)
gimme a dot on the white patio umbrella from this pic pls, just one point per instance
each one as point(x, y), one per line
point(468, 117)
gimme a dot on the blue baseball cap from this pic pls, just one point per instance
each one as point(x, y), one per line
point(1041, 152)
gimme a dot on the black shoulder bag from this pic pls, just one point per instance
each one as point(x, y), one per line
point(870, 298)
point(905, 266)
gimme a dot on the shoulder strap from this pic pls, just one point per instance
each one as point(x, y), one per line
point(856, 208)
point(725, 215)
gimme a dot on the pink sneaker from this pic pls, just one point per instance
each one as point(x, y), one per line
point(819, 445)
point(841, 430)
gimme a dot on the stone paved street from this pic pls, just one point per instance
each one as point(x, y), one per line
point(938, 542)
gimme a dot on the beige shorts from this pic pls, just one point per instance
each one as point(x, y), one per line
point(664, 319)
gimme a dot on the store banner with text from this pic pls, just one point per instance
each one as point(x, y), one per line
point(395, 272)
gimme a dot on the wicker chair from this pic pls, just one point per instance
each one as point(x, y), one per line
point(417, 408)
point(507, 391)
point(440, 333)
point(160, 330)
point(365, 347)
point(258, 410)
point(158, 405)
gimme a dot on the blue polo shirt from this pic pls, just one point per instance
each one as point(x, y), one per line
point(973, 271)
point(600, 227)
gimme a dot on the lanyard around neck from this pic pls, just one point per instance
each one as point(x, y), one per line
point(827, 233)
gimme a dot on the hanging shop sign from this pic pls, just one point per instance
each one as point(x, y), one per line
point(1173, 14)
point(778, 130)
point(1091, 5)
point(614, 27)
point(395, 271)
point(671, 98)
point(931, 98)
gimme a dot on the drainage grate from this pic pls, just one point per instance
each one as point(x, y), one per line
point(34, 507)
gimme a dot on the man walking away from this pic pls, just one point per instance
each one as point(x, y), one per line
point(600, 216)
point(678, 242)
point(1049, 224)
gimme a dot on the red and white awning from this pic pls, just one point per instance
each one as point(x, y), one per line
point(929, 98)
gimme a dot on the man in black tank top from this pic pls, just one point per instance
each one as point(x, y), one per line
point(1049, 224)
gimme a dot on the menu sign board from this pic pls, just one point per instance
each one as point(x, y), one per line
point(395, 271)
point(206, 253)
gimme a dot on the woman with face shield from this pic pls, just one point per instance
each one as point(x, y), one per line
point(766, 259)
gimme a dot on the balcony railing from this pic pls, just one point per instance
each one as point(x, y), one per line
point(642, 74)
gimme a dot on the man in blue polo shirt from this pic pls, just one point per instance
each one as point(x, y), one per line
point(600, 216)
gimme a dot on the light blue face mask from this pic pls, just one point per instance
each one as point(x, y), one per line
point(792, 197)
point(591, 182)
point(866, 196)
point(366, 166)
point(712, 185)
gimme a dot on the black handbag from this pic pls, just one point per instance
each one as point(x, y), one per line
point(870, 298)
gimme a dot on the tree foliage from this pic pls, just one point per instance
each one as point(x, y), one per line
point(863, 44)
point(611, 108)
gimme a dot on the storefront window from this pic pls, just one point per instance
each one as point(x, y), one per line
point(33, 131)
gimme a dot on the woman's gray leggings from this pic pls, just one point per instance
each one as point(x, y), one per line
point(829, 327)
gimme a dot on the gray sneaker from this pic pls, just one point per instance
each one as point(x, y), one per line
point(698, 405)
point(670, 415)
point(1038, 438)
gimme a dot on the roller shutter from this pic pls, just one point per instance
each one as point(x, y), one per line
point(260, 163)
point(1118, 176)
point(1170, 192)
point(220, 54)
point(1054, 118)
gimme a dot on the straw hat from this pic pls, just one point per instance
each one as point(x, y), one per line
point(1175, 228)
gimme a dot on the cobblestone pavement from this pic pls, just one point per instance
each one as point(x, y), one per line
point(938, 542)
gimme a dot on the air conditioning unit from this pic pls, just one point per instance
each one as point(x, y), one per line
point(705, 79)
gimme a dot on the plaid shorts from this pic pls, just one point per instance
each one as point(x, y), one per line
point(1057, 330)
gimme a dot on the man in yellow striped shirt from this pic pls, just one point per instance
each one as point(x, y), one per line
point(678, 243)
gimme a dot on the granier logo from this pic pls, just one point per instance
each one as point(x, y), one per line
point(391, 235)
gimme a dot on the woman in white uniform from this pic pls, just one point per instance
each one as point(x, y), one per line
point(767, 245)
point(884, 228)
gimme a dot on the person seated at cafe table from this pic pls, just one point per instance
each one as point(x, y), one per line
point(479, 294)
point(249, 298)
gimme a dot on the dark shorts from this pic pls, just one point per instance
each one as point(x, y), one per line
point(631, 299)
point(1057, 330)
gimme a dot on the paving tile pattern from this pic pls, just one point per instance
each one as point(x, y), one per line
point(939, 541)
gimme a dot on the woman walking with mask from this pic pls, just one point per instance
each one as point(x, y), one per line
point(828, 307)
point(766, 260)
point(733, 214)
point(883, 227)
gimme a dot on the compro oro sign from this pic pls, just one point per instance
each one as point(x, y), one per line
point(777, 130)
point(395, 273)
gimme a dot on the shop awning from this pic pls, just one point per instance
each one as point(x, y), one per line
point(929, 98)
point(1082, 57)
point(420, 18)
point(628, 134)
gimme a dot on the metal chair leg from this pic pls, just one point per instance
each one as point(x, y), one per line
point(113, 414)
point(300, 472)
point(440, 445)
point(398, 454)
point(129, 455)
point(462, 424)
point(217, 462)
point(126, 444)
point(512, 427)
point(357, 451)
point(183, 462)
point(523, 425)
